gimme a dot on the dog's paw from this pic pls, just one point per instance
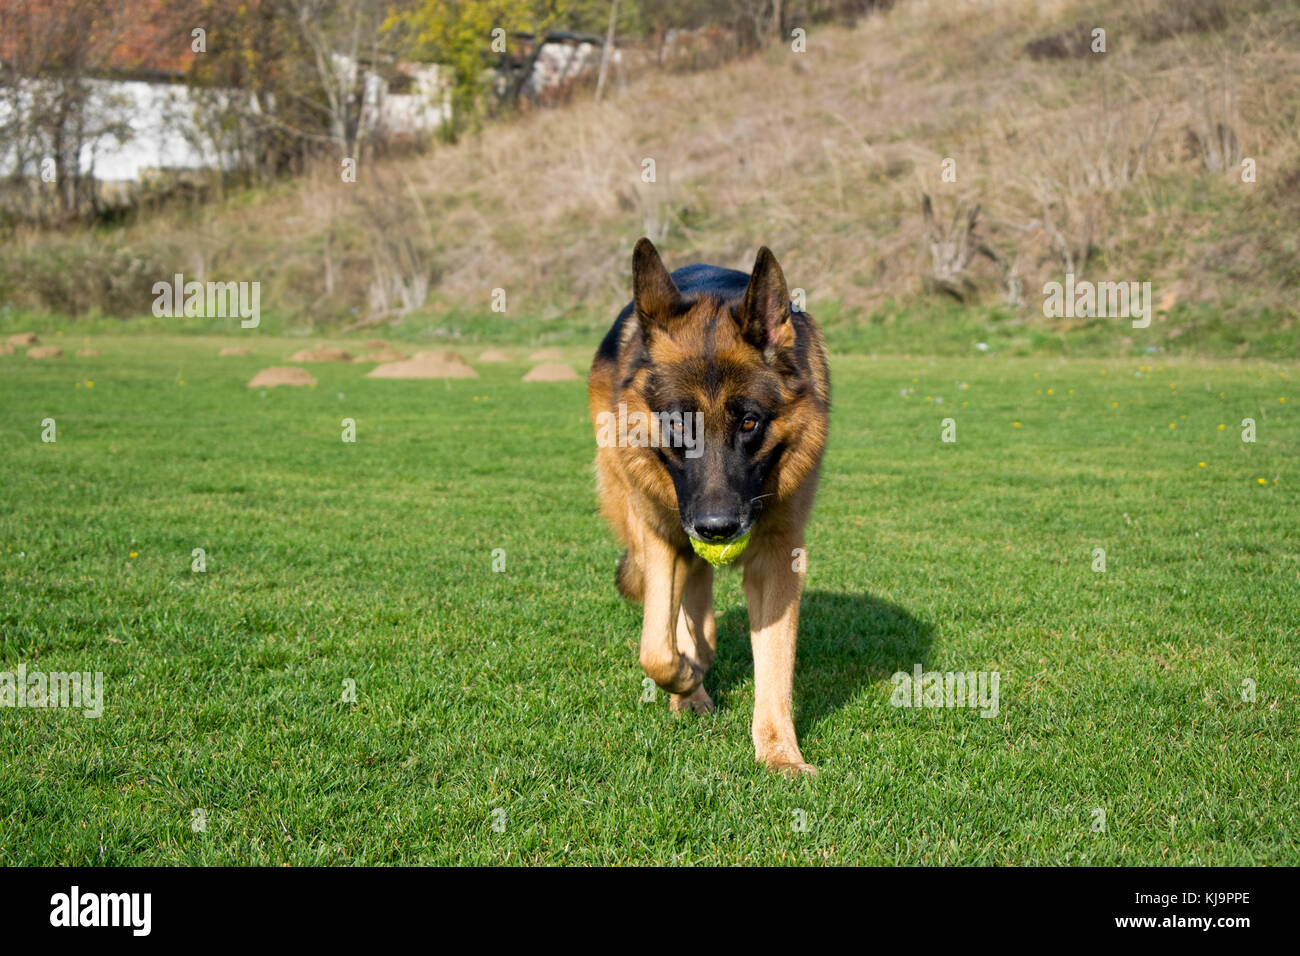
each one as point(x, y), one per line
point(787, 761)
point(697, 700)
point(792, 768)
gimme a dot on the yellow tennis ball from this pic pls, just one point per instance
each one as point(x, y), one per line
point(719, 555)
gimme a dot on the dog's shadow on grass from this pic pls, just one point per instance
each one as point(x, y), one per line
point(847, 642)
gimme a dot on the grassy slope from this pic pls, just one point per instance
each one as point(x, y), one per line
point(823, 156)
point(520, 690)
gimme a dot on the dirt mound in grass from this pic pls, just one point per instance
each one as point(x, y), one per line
point(326, 353)
point(547, 355)
point(22, 339)
point(87, 353)
point(386, 354)
point(233, 350)
point(551, 372)
point(45, 351)
point(495, 355)
point(426, 365)
point(374, 344)
point(281, 375)
point(441, 355)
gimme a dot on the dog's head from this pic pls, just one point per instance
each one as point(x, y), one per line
point(725, 382)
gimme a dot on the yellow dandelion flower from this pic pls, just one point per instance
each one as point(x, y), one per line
point(135, 554)
point(1017, 425)
point(1222, 427)
point(1200, 464)
point(1262, 481)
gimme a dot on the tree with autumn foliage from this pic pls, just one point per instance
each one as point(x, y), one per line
point(53, 116)
point(300, 68)
point(471, 37)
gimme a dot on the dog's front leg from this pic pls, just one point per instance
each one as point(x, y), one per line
point(772, 590)
point(697, 633)
point(665, 578)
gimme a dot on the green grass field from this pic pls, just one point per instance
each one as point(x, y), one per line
point(519, 690)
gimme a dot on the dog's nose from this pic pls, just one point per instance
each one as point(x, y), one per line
point(717, 527)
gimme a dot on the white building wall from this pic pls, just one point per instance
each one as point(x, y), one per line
point(159, 132)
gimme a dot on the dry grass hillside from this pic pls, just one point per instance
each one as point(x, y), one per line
point(1122, 165)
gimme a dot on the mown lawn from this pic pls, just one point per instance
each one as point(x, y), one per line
point(519, 690)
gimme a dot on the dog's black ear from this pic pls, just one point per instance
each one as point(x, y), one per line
point(764, 317)
point(657, 299)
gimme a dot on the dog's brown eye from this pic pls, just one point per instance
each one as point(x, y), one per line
point(749, 423)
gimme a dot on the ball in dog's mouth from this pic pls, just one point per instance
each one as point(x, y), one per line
point(723, 553)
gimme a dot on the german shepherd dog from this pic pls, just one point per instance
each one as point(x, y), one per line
point(725, 350)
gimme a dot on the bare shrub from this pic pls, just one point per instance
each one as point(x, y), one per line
point(953, 250)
